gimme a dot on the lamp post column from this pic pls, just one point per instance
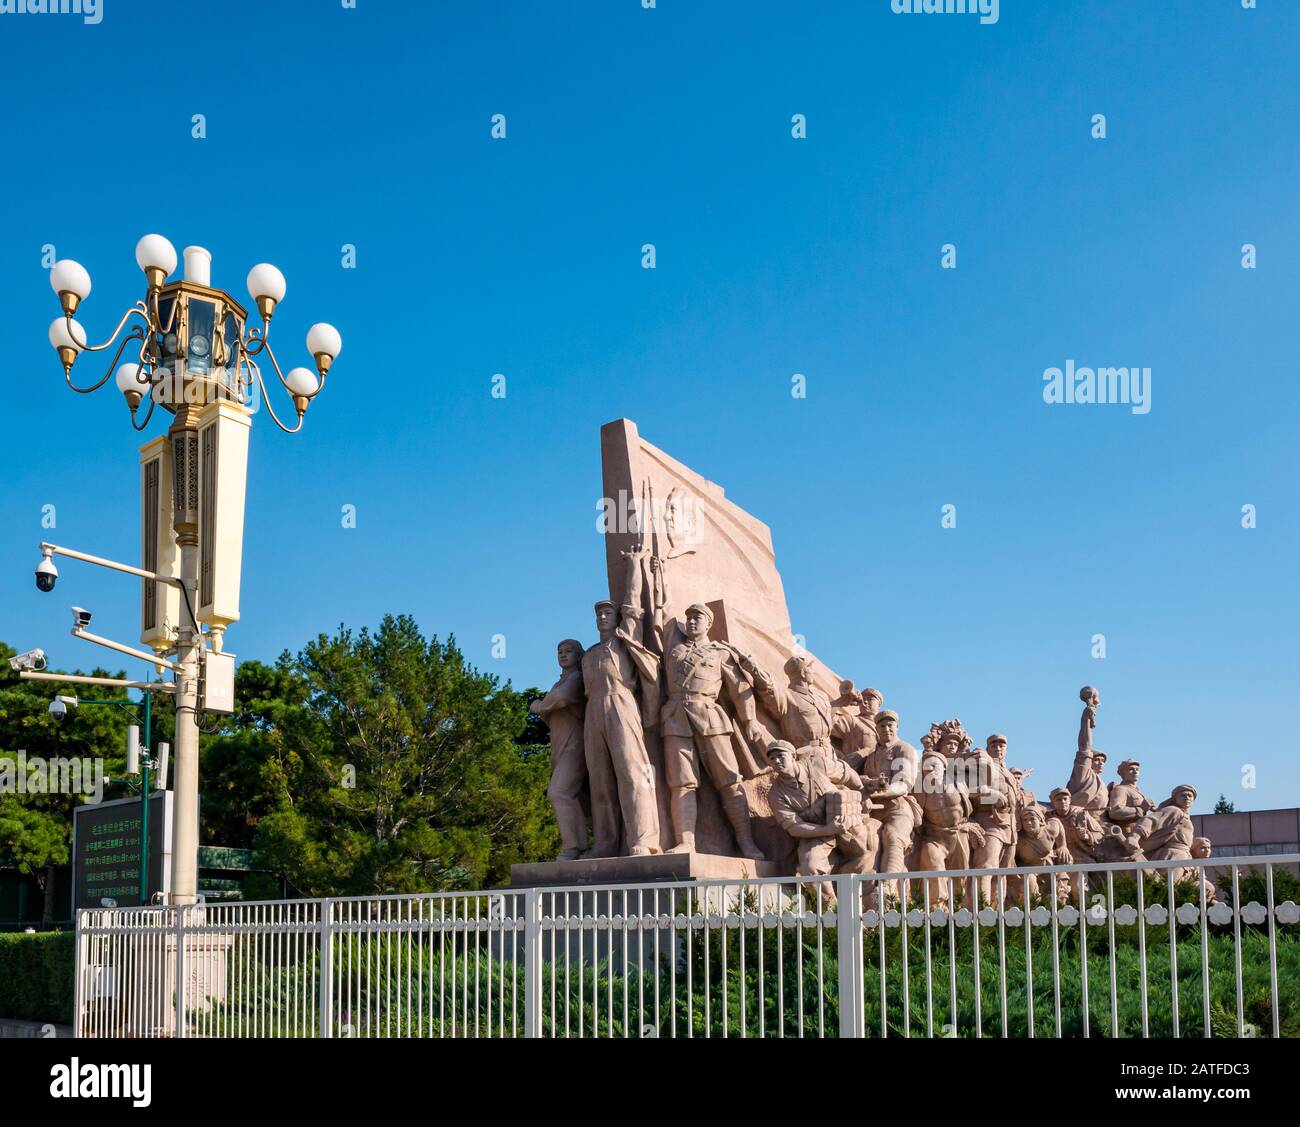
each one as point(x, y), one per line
point(189, 641)
point(146, 788)
point(185, 830)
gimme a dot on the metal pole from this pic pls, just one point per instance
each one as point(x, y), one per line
point(533, 962)
point(185, 786)
point(144, 801)
point(848, 927)
point(78, 962)
point(325, 970)
point(180, 969)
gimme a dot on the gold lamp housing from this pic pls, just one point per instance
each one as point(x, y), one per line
point(199, 353)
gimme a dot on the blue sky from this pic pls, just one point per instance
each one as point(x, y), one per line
point(371, 126)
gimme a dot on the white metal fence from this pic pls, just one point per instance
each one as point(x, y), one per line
point(1111, 950)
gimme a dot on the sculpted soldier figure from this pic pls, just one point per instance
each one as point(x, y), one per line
point(802, 709)
point(1128, 804)
point(888, 776)
point(622, 778)
point(696, 730)
point(996, 808)
point(1201, 847)
point(1025, 795)
point(855, 729)
point(947, 828)
point(1087, 790)
point(1099, 769)
point(1166, 833)
point(1082, 831)
point(1040, 841)
point(563, 709)
point(817, 802)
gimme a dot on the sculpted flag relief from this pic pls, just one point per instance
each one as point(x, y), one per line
point(698, 724)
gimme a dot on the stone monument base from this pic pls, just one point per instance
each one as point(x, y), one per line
point(652, 869)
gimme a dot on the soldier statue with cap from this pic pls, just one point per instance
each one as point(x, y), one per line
point(1127, 805)
point(818, 802)
point(854, 727)
point(803, 711)
point(1083, 833)
point(997, 803)
point(1166, 833)
point(697, 732)
point(888, 776)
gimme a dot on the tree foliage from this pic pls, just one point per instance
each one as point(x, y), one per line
point(377, 762)
point(36, 829)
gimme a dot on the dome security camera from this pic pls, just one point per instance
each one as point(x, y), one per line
point(46, 574)
point(60, 706)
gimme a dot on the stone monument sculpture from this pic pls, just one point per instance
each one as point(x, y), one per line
point(661, 732)
point(564, 709)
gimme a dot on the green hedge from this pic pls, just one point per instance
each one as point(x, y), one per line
point(36, 977)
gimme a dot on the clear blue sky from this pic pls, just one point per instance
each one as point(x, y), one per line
point(371, 126)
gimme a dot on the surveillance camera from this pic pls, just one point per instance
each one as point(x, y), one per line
point(81, 617)
point(58, 710)
point(46, 574)
point(32, 659)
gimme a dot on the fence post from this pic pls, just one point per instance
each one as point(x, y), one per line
point(533, 962)
point(78, 959)
point(180, 909)
point(848, 928)
point(325, 971)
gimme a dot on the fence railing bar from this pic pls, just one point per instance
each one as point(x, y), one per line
point(1272, 949)
point(1142, 952)
point(1236, 951)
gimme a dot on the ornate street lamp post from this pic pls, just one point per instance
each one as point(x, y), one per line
point(194, 354)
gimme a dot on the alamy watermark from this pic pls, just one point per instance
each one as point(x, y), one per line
point(987, 10)
point(90, 11)
point(1131, 386)
point(33, 774)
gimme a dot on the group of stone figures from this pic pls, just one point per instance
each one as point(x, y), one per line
point(847, 792)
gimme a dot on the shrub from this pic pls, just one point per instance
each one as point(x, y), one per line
point(36, 977)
